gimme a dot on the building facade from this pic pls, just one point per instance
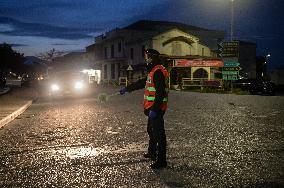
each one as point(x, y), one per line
point(247, 59)
point(114, 51)
point(72, 61)
point(277, 77)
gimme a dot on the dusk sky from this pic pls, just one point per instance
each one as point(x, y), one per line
point(36, 26)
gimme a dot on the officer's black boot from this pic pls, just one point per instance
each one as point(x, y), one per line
point(150, 156)
point(159, 165)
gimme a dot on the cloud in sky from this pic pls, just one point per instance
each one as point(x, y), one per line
point(40, 20)
point(14, 27)
point(6, 27)
point(259, 21)
point(18, 45)
point(74, 13)
point(31, 45)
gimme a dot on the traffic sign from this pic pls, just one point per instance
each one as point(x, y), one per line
point(231, 63)
point(129, 68)
point(231, 68)
point(230, 72)
point(230, 49)
point(230, 76)
point(220, 48)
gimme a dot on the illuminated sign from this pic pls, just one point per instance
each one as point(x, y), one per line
point(230, 75)
point(198, 63)
point(231, 68)
point(231, 63)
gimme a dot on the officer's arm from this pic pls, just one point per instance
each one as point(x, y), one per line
point(160, 85)
point(139, 84)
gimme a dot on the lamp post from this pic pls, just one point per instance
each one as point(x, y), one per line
point(232, 19)
point(264, 67)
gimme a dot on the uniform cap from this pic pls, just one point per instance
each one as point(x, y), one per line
point(152, 52)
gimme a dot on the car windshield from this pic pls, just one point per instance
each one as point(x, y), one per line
point(66, 76)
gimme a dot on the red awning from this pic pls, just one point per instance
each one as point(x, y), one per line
point(198, 63)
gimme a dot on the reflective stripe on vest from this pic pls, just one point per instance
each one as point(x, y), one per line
point(149, 98)
point(150, 90)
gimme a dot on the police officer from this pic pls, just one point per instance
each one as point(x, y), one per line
point(155, 105)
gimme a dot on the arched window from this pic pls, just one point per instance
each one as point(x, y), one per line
point(200, 73)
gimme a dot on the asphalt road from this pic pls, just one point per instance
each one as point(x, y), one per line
point(213, 141)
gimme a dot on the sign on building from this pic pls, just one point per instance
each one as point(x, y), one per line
point(198, 63)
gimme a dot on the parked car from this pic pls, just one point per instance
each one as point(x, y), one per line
point(2, 80)
point(255, 86)
point(68, 83)
point(262, 87)
point(29, 80)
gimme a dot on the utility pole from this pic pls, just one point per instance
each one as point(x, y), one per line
point(232, 19)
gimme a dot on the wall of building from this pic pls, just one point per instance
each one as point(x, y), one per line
point(72, 61)
point(137, 40)
point(277, 76)
point(247, 59)
point(179, 48)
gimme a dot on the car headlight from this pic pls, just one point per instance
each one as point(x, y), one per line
point(54, 87)
point(78, 85)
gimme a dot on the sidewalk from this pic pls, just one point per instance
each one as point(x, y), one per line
point(13, 102)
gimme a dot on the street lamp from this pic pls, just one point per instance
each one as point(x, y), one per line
point(264, 66)
point(232, 19)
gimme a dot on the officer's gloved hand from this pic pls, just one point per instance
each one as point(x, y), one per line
point(122, 91)
point(152, 114)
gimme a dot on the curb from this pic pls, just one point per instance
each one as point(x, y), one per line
point(15, 114)
point(5, 91)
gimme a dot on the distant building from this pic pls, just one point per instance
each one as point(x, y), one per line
point(261, 68)
point(36, 65)
point(71, 61)
point(114, 51)
point(247, 59)
point(277, 76)
point(241, 52)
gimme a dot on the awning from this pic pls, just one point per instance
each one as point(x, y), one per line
point(198, 63)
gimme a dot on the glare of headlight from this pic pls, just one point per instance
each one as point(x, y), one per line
point(79, 85)
point(54, 87)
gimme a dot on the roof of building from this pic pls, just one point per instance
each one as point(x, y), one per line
point(149, 25)
point(241, 42)
point(153, 28)
point(72, 54)
point(150, 28)
point(29, 60)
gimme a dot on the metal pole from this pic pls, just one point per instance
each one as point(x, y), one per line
point(232, 19)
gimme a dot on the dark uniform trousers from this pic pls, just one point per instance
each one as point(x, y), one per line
point(157, 137)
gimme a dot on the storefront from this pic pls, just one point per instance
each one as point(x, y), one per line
point(200, 72)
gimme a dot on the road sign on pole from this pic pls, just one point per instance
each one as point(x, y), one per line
point(231, 63)
point(220, 48)
point(230, 75)
point(230, 49)
point(129, 68)
point(231, 68)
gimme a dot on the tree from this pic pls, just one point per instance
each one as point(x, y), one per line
point(11, 60)
point(50, 55)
